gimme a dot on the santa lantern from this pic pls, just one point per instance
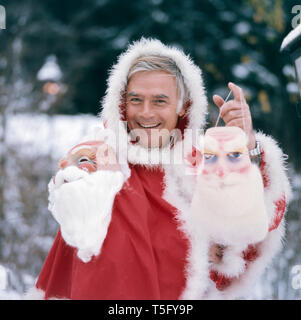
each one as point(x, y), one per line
point(228, 203)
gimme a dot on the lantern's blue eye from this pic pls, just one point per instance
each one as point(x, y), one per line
point(210, 158)
point(234, 156)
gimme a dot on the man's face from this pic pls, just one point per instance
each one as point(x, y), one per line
point(151, 104)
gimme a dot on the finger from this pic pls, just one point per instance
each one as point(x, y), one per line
point(228, 106)
point(105, 156)
point(235, 105)
point(102, 155)
point(237, 92)
point(218, 100)
point(232, 114)
point(238, 122)
point(96, 146)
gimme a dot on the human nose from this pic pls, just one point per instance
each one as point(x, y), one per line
point(147, 110)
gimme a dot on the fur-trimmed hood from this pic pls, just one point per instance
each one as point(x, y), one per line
point(111, 114)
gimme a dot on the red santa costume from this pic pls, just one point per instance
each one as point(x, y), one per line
point(129, 235)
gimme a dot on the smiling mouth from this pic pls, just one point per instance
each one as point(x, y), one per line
point(149, 126)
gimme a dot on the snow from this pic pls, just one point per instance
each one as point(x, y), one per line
point(242, 28)
point(295, 33)
point(159, 16)
point(49, 135)
point(289, 71)
point(230, 44)
point(227, 16)
point(292, 87)
point(264, 76)
point(50, 70)
point(240, 71)
point(3, 278)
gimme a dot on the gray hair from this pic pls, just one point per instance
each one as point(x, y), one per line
point(153, 62)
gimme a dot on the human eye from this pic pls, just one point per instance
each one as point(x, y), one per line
point(160, 102)
point(135, 100)
point(234, 156)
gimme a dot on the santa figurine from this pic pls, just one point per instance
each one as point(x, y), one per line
point(96, 160)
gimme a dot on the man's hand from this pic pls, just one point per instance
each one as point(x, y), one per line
point(237, 113)
point(216, 253)
point(106, 158)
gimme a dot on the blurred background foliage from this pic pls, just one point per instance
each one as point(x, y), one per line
point(79, 41)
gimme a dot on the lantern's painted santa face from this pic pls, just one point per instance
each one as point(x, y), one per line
point(229, 197)
point(151, 105)
point(225, 156)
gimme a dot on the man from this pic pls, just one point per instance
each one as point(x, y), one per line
point(125, 230)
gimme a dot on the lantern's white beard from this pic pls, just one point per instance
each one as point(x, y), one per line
point(231, 210)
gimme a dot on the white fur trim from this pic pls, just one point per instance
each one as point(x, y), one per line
point(232, 263)
point(83, 207)
point(178, 192)
point(275, 169)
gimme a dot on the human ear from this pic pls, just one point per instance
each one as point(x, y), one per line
point(182, 112)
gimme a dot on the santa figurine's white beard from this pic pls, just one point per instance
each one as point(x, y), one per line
point(231, 209)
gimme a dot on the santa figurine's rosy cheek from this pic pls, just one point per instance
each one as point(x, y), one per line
point(63, 163)
point(87, 166)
